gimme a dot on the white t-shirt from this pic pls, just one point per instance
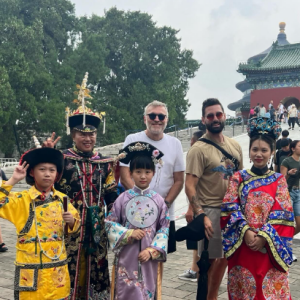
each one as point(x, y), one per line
point(172, 162)
point(281, 108)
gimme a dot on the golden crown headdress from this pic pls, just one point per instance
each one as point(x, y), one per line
point(83, 118)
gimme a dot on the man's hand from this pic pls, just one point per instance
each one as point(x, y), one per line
point(138, 234)
point(144, 256)
point(208, 228)
point(50, 142)
point(189, 216)
point(258, 243)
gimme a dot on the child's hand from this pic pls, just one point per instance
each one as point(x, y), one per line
point(19, 173)
point(144, 256)
point(138, 234)
point(69, 219)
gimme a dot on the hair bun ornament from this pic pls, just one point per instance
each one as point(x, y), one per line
point(259, 126)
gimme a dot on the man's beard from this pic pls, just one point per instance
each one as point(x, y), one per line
point(157, 131)
point(212, 129)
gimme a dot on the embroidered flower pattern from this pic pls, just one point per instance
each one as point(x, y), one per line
point(275, 285)
point(155, 153)
point(241, 284)
point(257, 208)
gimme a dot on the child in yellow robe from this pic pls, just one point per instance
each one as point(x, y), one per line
point(39, 217)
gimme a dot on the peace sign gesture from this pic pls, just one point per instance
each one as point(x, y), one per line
point(50, 142)
point(20, 172)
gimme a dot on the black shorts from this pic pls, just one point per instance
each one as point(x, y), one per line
point(172, 240)
point(191, 245)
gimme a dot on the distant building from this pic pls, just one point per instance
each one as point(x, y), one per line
point(273, 74)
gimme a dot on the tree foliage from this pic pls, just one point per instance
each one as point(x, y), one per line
point(45, 50)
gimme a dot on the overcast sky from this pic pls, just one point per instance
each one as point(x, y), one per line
point(221, 33)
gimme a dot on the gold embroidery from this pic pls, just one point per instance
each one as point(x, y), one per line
point(282, 222)
point(255, 177)
point(238, 243)
point(273, 250)
point(26, 277)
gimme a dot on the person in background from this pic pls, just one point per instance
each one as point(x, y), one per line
point(191, 274)
point(262, 111)
point(257, 110)
point(281, 112)
point(281, 154)
point(290, 168)
point(272, 112)
point(3, 247)
point(293, 116)
point(270, 104)
point(251, 112)
point(285, 134)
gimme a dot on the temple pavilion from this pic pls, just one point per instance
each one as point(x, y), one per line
point(274, 74)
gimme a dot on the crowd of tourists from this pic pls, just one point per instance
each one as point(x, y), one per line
point(283, 114)
point(74, 210)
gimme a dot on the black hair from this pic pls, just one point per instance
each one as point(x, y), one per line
point(293, 145)
point(198, 134)
point(285, 133)
point(210, 102)
point(265, 138)
point(142, 162)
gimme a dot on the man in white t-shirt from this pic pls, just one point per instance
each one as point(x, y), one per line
point(168, 181)
point(281, 111)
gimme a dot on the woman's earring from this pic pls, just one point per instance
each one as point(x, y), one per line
point(250, 160)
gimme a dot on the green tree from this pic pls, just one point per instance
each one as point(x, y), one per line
point(45, 50)
point(36, 37)
point(144, 62)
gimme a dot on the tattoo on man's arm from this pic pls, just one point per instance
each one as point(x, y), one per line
point(195, 202)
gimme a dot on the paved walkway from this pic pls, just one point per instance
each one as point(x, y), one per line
point(173, 288)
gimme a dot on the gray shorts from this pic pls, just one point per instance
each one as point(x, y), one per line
point(215, 247)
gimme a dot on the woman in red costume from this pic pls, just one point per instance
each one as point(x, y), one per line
point(257, 223)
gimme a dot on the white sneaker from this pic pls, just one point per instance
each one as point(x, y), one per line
point(188, 275)
point(294, 258)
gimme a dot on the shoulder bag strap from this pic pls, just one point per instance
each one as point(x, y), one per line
point(224, 152)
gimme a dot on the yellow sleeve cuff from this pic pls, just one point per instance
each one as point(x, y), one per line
point(5, 189)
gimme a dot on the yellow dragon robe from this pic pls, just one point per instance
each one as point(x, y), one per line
point(41, 258)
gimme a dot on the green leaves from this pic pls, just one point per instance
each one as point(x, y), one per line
point(46, 50)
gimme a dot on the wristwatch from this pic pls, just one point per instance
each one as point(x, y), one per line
point(168, 204)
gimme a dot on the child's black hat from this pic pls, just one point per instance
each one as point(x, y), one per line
point(135, 149)
point(42, 155)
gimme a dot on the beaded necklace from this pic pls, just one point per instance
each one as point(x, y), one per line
point(81, 185)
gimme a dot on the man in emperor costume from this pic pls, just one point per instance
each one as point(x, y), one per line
point(88, 179)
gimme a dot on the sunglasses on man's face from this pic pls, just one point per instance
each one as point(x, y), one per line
point(211, 116)
point(153, 116)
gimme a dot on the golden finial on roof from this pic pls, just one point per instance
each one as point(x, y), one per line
point(282, 27)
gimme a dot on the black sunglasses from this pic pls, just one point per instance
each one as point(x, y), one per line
point(153, 116)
